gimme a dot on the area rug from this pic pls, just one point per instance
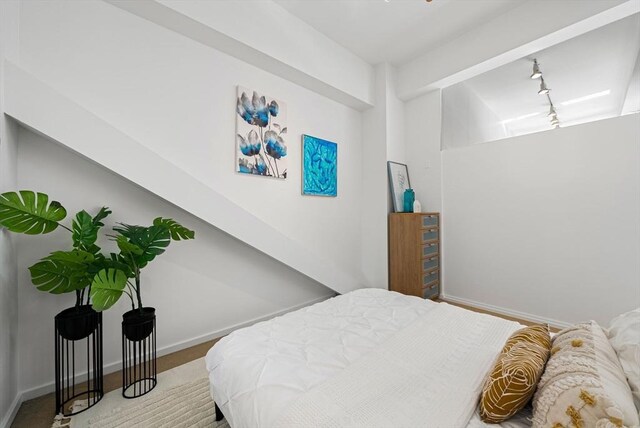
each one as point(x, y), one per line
point(181, 399)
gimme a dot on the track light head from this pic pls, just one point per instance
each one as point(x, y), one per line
point(543, 88)
point(536, 70)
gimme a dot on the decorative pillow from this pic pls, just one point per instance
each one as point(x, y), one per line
point(624, 336)
point(515, 374)
point(583, 384)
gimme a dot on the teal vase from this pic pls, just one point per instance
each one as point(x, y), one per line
point(409, 198)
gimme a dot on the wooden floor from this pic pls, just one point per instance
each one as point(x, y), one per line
point(496, 314)
point(39, 412)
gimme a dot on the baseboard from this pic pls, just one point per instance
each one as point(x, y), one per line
point(507, 312)
point(169, 349)
point(11, 413)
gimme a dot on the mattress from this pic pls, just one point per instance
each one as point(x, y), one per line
point(257, 372)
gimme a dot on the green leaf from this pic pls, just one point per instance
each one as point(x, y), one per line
point(85, 229)
point(127, 247)
point(78, 257)
point(62, 272)
point(29, 212)
point(177, 231)
point(114, 262)
point(131, 232)
point(152, 241)
point(106, 288)
point(102, 214)
point(85, 232)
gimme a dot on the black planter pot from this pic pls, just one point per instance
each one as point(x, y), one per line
point(77, 323)
point(138, 325)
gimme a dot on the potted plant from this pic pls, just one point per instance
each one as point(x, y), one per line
point(138, 246)
point(64, 271)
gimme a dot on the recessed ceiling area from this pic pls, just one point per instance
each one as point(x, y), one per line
point(590, 78)
point(395, 31)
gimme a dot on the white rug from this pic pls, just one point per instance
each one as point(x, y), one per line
point(181, 399)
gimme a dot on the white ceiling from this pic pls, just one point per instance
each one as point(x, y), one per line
point(599, 61)
point(395, 31)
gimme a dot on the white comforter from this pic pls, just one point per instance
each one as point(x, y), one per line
point(265, 374)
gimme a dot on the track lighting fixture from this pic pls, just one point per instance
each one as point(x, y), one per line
point(543, 87)
point(552, 115)
point(536, 70)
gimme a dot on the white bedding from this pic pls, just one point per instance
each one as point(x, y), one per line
point(259, 373)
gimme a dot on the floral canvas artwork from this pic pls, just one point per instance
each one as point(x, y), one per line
point(319, 167)
point(261, 128)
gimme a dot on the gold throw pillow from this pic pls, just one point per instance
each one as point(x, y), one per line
point(515, 374)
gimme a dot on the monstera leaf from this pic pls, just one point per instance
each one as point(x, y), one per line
point(150, 242)
point(62, 272)
point(85, 232)
point(30, 213)
point(177, 231)
point(127, 247)
point(106, 288)
point(85, 229)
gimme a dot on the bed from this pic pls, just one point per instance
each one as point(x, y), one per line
point(370, 358)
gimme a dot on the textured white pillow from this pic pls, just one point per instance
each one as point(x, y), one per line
point(583, 384)
point(624, 336)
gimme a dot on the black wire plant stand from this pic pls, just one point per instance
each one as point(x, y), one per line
point(139, 364)
point(78, 348)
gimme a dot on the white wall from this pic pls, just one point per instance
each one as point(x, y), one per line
point(328, 61)
point(422, 122)
point(177, 97)
point(373, 251)
point(466, 119)
point(198, 287)
point(547, 224)
point(9, 19)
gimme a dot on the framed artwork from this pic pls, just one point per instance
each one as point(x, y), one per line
point(319, 167)
point(398, 182)
point(261, 130)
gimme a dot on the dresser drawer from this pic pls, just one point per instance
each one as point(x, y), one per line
point(430, 263)
point(430, 234)
point(429, 220)
point(431, 292)
point(429, 249)
point(428, 278)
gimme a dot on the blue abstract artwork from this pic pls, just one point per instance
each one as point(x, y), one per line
point(261, 131)
point(319, 167)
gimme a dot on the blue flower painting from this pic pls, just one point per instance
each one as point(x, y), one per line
point(320, 167)
point(261, 129)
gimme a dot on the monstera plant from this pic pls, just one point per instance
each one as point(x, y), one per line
point(138, 246)
point(64, 271)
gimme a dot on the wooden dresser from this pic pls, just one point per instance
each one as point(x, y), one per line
point(414, 254)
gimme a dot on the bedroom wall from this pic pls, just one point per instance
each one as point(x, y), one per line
point(547, 225)
point(467, 120)
point(9, 18)
point(423, 128)
point(177, 97)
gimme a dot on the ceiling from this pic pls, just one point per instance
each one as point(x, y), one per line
point(395, 31)
point(599, 62)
